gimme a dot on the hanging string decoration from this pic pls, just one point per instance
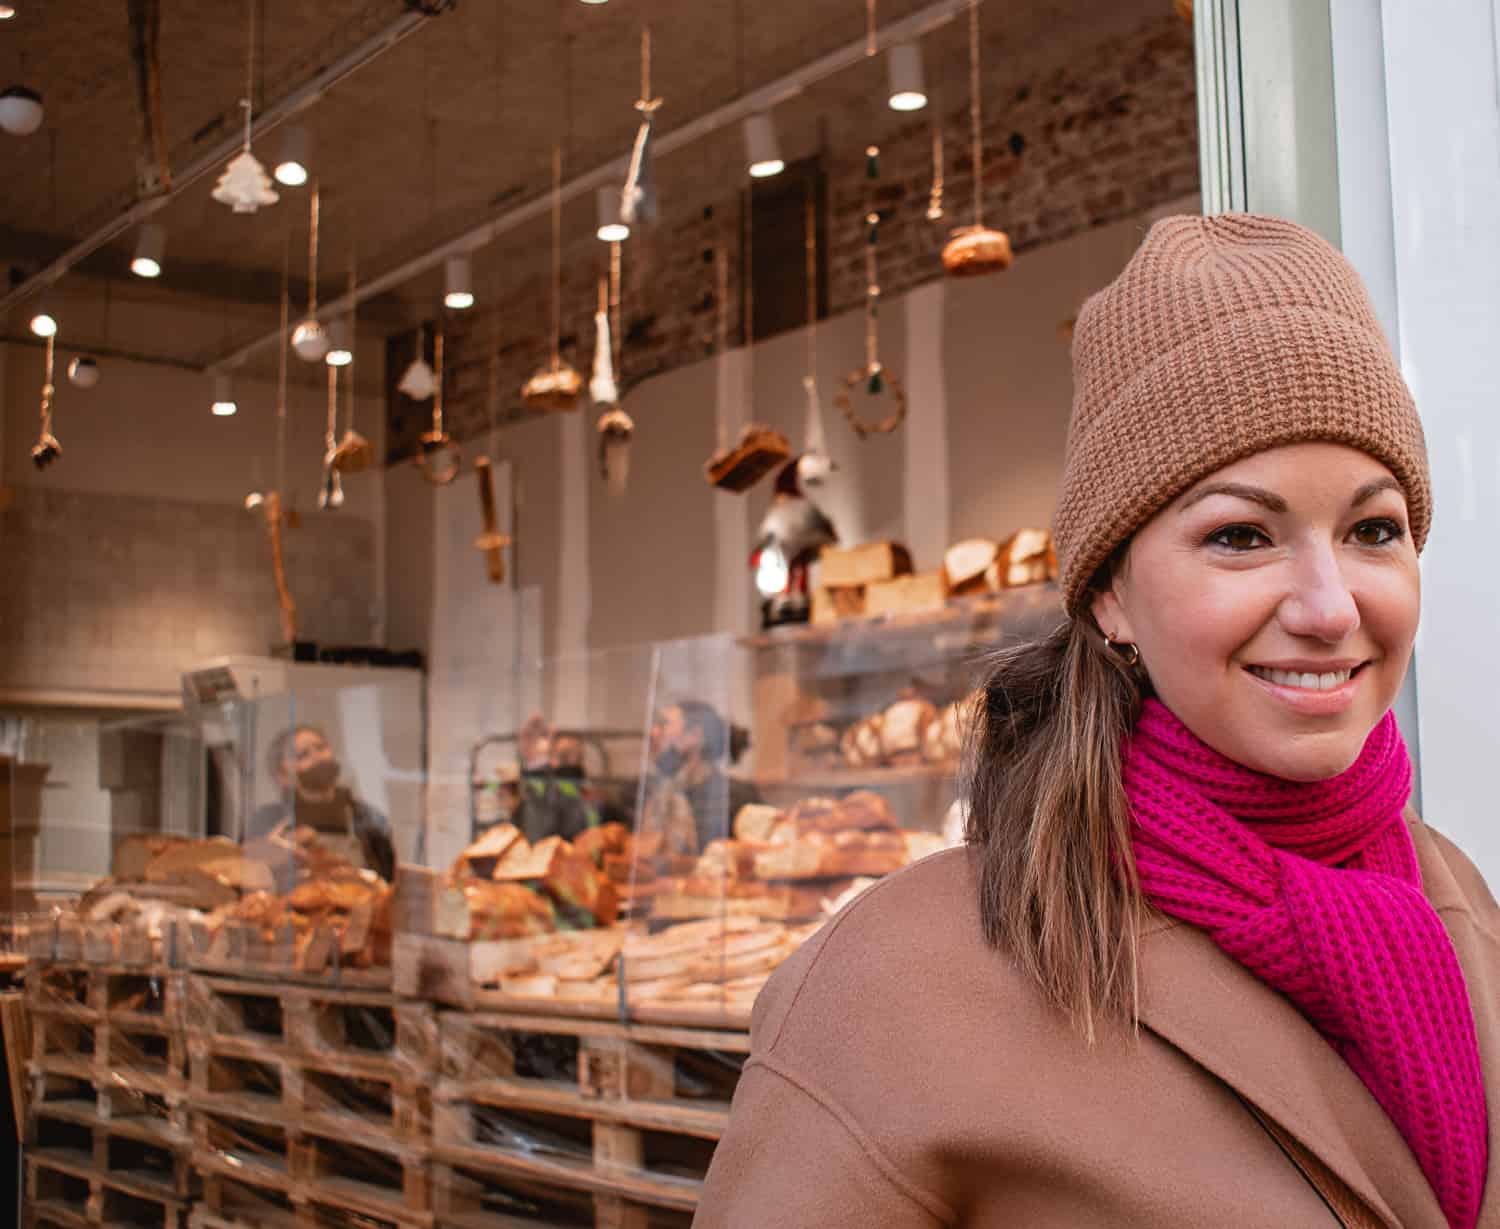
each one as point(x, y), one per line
point(269, 504)
point(331, 493)
point(935, 197)
point(354, 452)
point(814, 465)
point(876, 379)
point(739, 467)
point(244, 186)
point(310, 338)
point(638, 203)
point(977, 249)
point(490, 541)
point(418, 381)
point(46, 449)
point(438, 457)
point(615, 428)
point(555, 387)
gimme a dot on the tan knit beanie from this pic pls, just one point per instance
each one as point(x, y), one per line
point(1222, 337)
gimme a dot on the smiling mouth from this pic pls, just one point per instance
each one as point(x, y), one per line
point(1305, 681)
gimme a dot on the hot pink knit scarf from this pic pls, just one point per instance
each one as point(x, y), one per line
point(1314, 888)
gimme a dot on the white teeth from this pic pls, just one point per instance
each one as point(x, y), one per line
point(1308, 682)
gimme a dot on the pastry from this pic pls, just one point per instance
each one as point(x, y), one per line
point(903, 727)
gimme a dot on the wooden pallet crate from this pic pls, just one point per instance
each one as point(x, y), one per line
point(241, 951)
point(149, 1150)
point(477, 1196)
point(622, 1112)
point(63, 1191)
point(373, 1032)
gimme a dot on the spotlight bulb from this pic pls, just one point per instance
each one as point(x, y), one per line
point(762, 149)
point(20, 111)
point(458, 284)
point(224, 404)
point(43, 325)
point(907, 83)
point(7, 11)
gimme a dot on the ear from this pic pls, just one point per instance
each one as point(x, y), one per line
point(1109, 614)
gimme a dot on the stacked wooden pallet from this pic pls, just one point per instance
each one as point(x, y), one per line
point(310, 1104)
point(562, 1121)
point(106, 1123)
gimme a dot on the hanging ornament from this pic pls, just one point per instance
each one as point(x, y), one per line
point(271, 509)
point(83, 372)
point(244, 186)
point(815, 465)
point(310, 338)
point(438, 456)
point(354, 452)
point(616, 429)
point(46, 449)
point(977, 249)
point(935, 197)
point(738, 467)
point(555, 387)
point(877, 381)
point(331, 492)
point(492, 542)
point(602, 386)
point(638, 204)
point(417, 381)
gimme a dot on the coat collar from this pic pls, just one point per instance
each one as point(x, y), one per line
point(1209, 1007)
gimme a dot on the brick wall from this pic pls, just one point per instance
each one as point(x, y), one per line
point(107, 592)
point(1080, 140)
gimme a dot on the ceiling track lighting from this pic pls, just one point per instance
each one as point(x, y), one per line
point(762, 149)
point(458, 283)
point(340, 350)
point(224, 405)
point(905, 77)
point(20, 111)
point(609, 227)
point(293, 155)
point(150, 248)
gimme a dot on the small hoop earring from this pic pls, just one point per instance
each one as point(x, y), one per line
point(1120, 647)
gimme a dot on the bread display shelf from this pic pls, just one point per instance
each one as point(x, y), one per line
point(1025, 610)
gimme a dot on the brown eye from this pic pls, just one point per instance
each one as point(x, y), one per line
point(1376, 533)
point(1237, 538)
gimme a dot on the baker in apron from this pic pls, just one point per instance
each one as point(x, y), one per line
point(307, 772)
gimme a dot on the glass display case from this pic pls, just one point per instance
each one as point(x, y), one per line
point(655, 829)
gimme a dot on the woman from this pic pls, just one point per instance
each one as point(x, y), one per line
point(1198, 964)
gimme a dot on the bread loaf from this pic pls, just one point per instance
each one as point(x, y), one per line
point(481, 909)
point(903, 727)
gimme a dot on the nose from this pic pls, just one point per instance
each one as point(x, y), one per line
point(1319, 604)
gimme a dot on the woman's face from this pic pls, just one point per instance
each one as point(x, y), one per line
point(1274, 605)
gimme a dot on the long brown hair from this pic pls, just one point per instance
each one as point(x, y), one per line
point(1049, 820)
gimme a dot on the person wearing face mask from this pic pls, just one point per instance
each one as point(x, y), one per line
point(690, 795)
point(307, 773)
point(1199, 962)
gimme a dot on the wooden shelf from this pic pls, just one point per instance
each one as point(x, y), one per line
point(859, 778)
point(1029, 611)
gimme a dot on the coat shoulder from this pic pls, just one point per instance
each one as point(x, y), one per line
point(1465, 886)
point(912, 933)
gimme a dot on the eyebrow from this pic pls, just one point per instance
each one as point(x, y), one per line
point(1274, 502)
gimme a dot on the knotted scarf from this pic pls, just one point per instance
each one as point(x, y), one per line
point(1314, 887)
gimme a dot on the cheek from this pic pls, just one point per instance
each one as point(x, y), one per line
point(1201, 621)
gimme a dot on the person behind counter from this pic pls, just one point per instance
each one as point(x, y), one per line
point(1199, 962)
point(303, 765)
point(691, 749)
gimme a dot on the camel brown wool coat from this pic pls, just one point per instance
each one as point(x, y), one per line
point(906, 1074)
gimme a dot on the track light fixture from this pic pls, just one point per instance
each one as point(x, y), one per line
point(762, 149)
point(224, 404)
point(150, 248)
point(7, 11)
point(458, 283)
point(340, 350)
point(907, 81)
point(292, 156)
point(43, 325)
point(610, 229)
